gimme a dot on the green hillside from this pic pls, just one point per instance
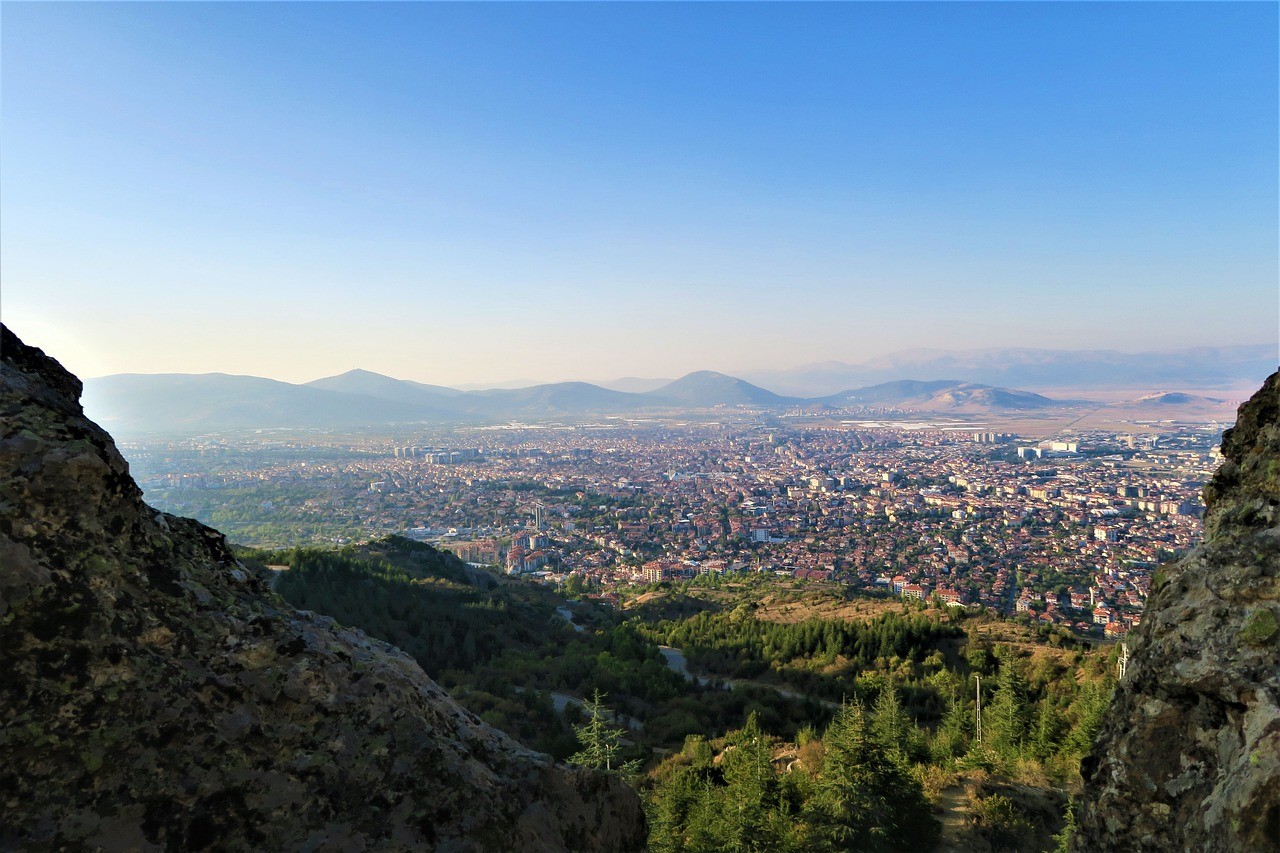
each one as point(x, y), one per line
point(840, 705)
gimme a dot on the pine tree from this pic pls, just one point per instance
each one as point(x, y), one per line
point(600, 740)
point(890, 725)
point(953, 735)
point(862, 799)
point(671, 807)
point(1062, 841)
point(1088, 707)
point(1044, 741)
point(751, 789)
point(1007, 719)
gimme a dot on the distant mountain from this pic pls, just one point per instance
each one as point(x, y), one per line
point(507, 384)
point(133, 404)
point(1177, 398)
point(558, 398)
point(890, 393)
point(705, 388)
point(1203, 367)
point(137, 404)
point(985, 398)
point(384, 387)
point(634, 384)
point(944, 395)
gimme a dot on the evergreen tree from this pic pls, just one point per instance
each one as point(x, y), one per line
point(600, 739)
point(1062, 841)
point(891, 726)
point(1005, 721)
point(672, 805)
point(706, 828)
point(1048, 725)
point(751, 787)
point(955, 732)
point(863, 800)
point(1088, 707)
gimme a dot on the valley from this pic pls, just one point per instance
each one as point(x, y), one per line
point(683, 667)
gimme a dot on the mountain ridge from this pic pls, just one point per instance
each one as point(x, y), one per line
point(707, 387)
point(139, 404)
point(1035, 368)
point(202, 403)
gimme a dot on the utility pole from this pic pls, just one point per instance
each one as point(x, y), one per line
point(979, 710)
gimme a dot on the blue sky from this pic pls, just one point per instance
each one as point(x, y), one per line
point(462, 192)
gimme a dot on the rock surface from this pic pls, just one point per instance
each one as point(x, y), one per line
point(155, 695)
point(1188, 757)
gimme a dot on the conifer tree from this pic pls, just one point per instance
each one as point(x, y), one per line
point(1088, 707)
point(1044, 740)
point(600, 740)
point(863, 800)
point(751, 789)
point(953, 735)
point(673, 804)
point(1007, 719)
point(890, 725)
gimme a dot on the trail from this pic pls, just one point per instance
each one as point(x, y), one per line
point(677, 662)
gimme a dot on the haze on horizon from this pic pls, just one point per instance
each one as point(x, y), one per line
point(472, 193)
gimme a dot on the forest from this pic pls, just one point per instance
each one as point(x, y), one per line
point(817, 732)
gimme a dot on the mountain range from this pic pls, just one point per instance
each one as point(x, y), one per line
point(913, 380)
point(1196, 368)
point(213, 402)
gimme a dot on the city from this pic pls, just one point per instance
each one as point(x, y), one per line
point(1067, 532)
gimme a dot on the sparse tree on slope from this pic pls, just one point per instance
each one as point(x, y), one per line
point(600, 740)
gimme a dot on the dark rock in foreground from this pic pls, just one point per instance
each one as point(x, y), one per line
point(1188, 757)
point(155, 695)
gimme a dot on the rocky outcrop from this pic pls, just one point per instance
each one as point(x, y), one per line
point(1188, 757)
point(155, 695)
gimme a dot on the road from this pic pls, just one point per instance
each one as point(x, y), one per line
point(678, 664)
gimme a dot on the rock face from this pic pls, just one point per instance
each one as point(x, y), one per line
point(155, 695)
point(1188, 757)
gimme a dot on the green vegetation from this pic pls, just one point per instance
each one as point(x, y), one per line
point(821, 657)
point(890, 687)
point(849, 790)
point(503, 651)
point(601, 742)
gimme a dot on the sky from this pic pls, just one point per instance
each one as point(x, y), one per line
point(469, 193)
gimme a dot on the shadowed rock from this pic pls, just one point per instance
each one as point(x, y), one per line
point(1188, 757)
point(155, 695)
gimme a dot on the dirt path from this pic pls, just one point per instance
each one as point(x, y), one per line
point(955, 815)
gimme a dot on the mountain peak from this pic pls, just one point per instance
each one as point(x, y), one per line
point(709, 388)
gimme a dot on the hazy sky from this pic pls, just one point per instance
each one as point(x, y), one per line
point(459, 192)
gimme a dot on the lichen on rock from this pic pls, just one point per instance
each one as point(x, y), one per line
point(1188, 756)
point(157, 696)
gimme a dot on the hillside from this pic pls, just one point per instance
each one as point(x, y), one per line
point(706, 388)
point(158, 695)
point(376, 385)
point(944, 395)
point(181, 404)
point(558, 398)
point(771, 641)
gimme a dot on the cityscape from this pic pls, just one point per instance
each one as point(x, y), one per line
point(619, 427)
point(1066, 532)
